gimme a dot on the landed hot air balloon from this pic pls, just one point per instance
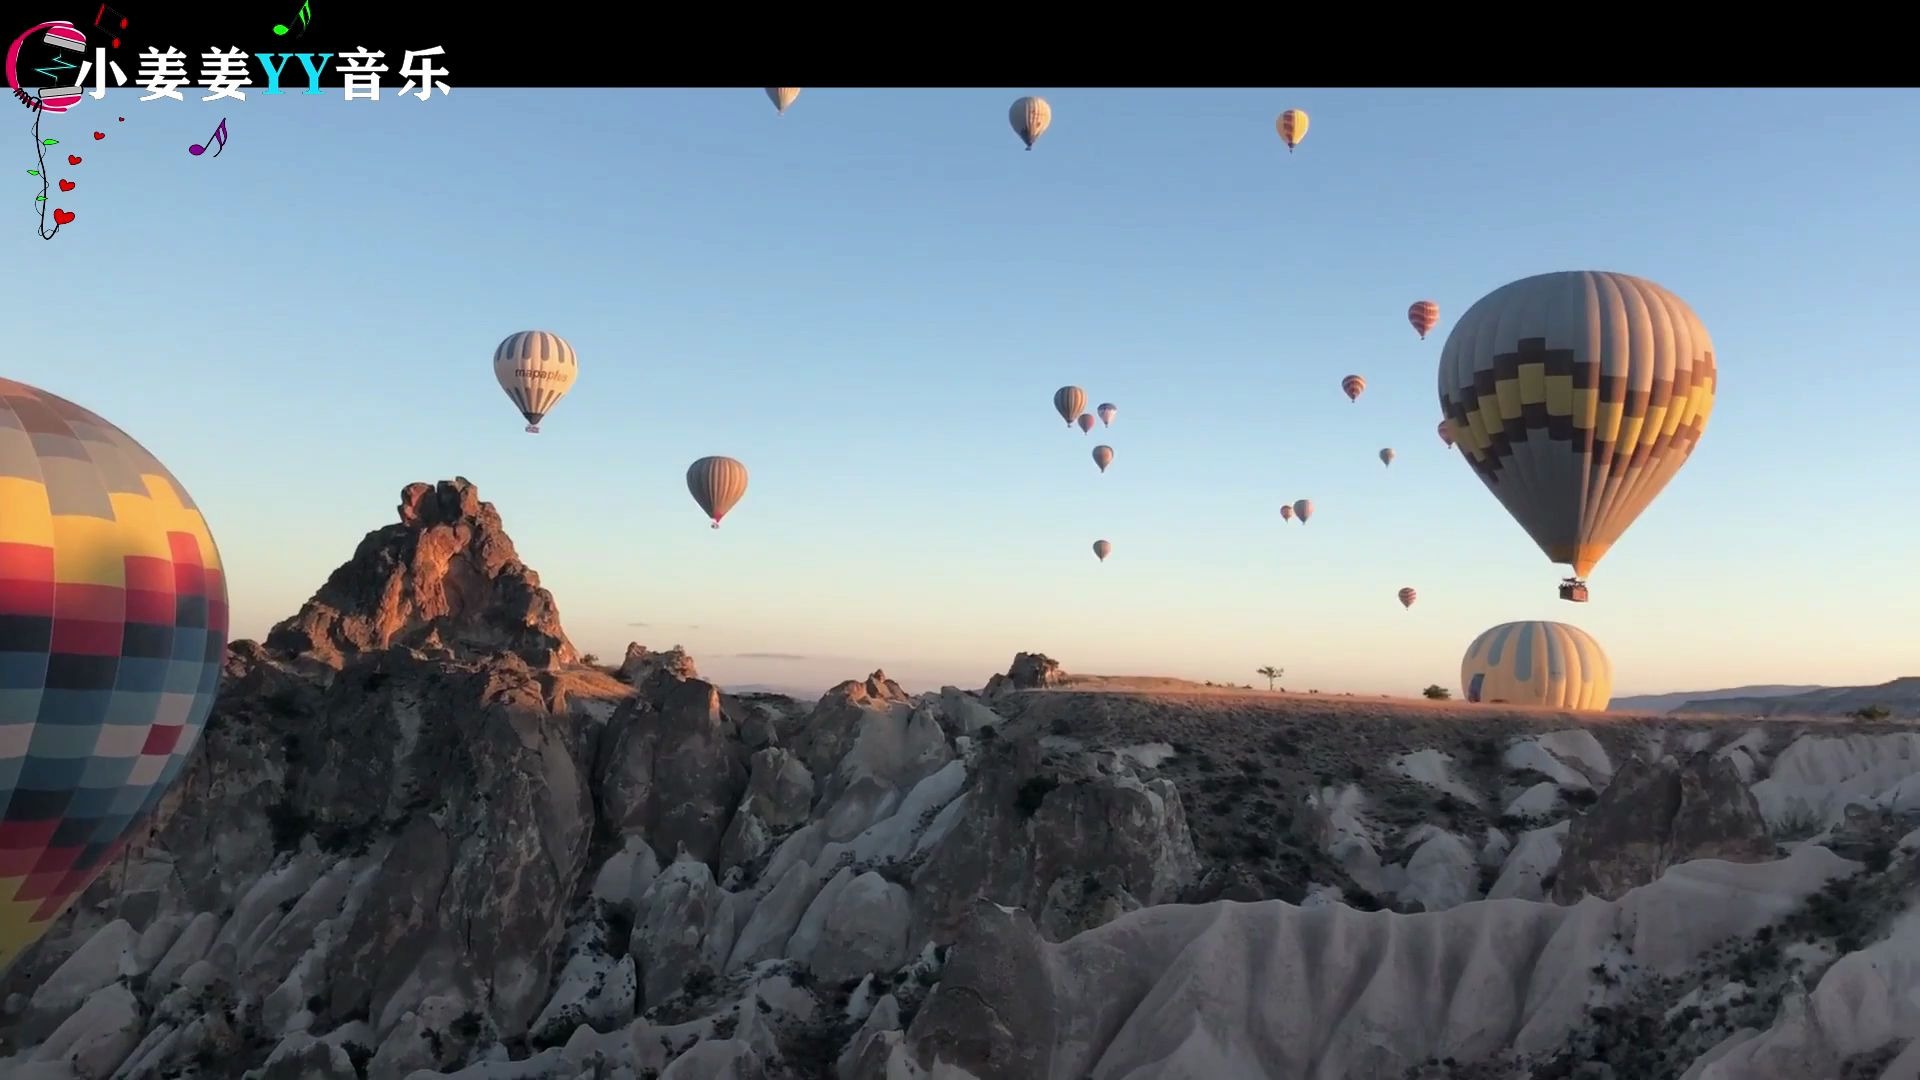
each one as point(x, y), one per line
point(1107, 412)
point(1030, 117)
point(1103, 457)
point(782, 96)
point(1303, 510)
point(1548, 664)
point(1386, 456)
point(1102, 549)
point(1446, 432)
point(717, 484)
point(1069, 401)
point(1085, 422)
point(1353, 386)
point(1424, 315)
point(115, 627)
point(536, 369)
point(1292, 126)
point(1407, 597)
point(1576, 397)
point(1286, 513)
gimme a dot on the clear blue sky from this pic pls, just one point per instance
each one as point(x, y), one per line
point(871, 300)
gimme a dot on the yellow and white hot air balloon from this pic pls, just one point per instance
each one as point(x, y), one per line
point(1030, 117)
point(1576, 397)
point(1292, 127)
point(717, 483)
point(1548, 664)
point(782, 96)
point(536, 369)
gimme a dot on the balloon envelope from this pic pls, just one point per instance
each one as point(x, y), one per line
point(717, 483)
point(1069, 402)
point(1353, 386)
point(1103, 457)
point(1303, 510)
point(1030, 117)
point(1102, 549)
point(1446, 432)
point(1085, 421)
point(782, 96)
point(1576, 397)
point(1548, 664)
point(1407, 597)
point(1424, 314)
point(1292, 126)
point(115, 627)
point(1286, 513)
point(1386, 456)
point(1107, 413)
point(536, 369)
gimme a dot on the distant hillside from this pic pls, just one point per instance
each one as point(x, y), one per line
point(1901, 697)
point(1660, 703)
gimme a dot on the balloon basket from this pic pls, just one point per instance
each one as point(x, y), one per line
point(533, 429)
point(1574, 589)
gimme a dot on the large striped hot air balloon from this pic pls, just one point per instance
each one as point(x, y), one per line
point(1407, 597)
point(1030, 117)
point(1424, 315)
point(1085, 421)
point(536, 369)
point(113, 626)
point(1549, 664)
point(1353, 386)
point(717, 484)
point(1103, 457)
point(1102, 549)
point(1576, 397)
point(1292, 126)
point(1069, 402)
point(1107, 412)
point(782, 97)
point(1303, 510)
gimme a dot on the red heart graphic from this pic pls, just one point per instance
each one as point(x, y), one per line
point(63, 217)
point(73, 159)
point(99, 135)
point(66, 185)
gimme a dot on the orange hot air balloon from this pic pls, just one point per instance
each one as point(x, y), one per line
point(1292, 126)
point(1103, 457)
point(1407, 597)
point(1424, 314)
point(1085, 422)
point(1353, 386)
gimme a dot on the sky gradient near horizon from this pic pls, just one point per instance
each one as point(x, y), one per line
point(871, 300)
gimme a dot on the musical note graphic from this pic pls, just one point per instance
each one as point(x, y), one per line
point(305, 14)
point(102, 14)
point(219, 136)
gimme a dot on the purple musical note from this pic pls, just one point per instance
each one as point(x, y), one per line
point(219, 136)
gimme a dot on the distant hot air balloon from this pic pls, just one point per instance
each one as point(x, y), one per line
point(1446, 432)
point(1292, 126)
point(1303, 510)
point(1407, 597)
point(1085, 422)
point(1576, 397)
point(536, 369)
point(1103, 457)
point(1030, 117)
point(1548, 664)
point(114, 605)
point(1102, 549)
point(1424, 314)
point(1386, 456)
point(717, 484)
point(1107, 413)
point(782, 96)
point(1286, 513)
point(1353, 386)
point(1069, 401)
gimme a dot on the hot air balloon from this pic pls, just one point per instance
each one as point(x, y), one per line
point(1069, 401)
point(1576, 397)
point(1548, 664)
point(536, 369)
point(1407, 597)
point(114, 630)
point(1446, 432)
point(1292, 126)
point(1030, 117)
point(1103, 457)
point(1424, 314)
point(1286, 513)
point(1303, 510)
point(1107, 412)
point(782, 96)
point(1386, 456)
point(1353, 386)
point(717, 484)
point(1085, 422)
point(1102, 549)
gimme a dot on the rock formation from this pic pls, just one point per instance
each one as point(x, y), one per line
point(641, 663)
point(445, 577)
point(1029, 671)
point(1656, 815)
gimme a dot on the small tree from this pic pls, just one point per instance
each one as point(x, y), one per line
point(1437, 692)
point(1271, 673)
point(1872, 712)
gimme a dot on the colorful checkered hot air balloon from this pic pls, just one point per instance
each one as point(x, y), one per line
point(113, 626)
